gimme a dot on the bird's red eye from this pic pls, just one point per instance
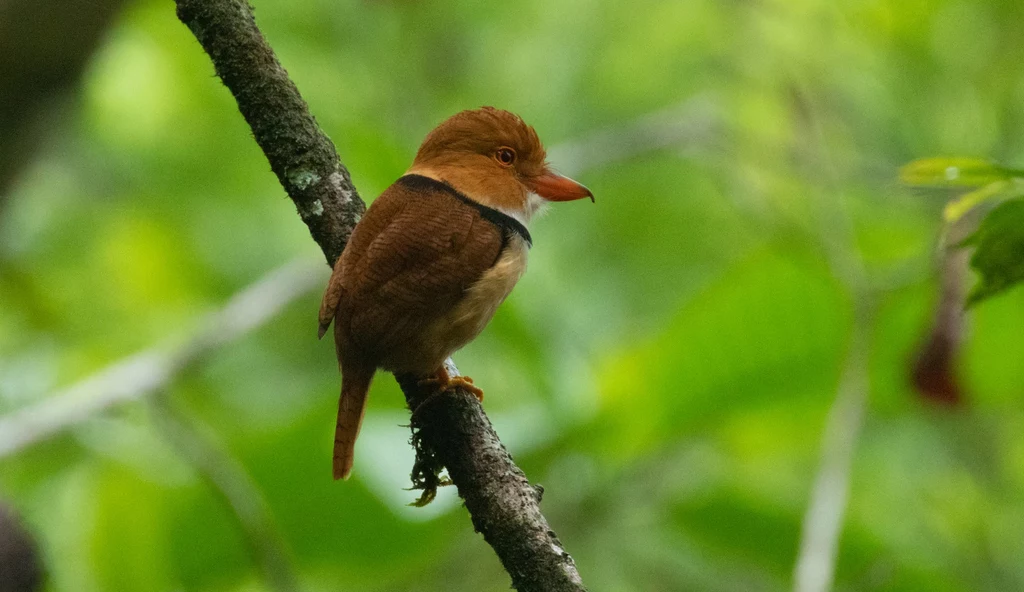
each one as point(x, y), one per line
point(505, 156)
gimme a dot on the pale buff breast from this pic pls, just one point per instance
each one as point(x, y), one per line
point(469, 317)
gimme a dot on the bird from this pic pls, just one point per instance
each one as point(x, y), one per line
point(433, 257)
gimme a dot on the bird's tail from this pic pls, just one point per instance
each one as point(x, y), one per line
point(355, 383)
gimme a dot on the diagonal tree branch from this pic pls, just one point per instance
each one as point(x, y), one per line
point(300, 154)
point(503, 506)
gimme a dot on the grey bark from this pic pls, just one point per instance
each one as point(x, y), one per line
point(300, 154)
point(450, 430)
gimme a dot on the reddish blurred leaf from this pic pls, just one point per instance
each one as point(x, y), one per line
point(933, 372)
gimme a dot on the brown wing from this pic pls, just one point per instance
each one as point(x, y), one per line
point(410, 260)
point(374, 220)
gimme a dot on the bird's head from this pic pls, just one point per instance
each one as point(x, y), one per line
point(494, 158)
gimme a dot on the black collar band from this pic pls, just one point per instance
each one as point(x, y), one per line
point(496, 217)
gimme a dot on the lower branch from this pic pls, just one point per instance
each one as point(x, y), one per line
point(451, 430)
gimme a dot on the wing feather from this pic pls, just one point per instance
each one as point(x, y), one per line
point(411, 259)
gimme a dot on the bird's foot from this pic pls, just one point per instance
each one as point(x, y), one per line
point(467, 383)
point(442, 382)
point(439, 380)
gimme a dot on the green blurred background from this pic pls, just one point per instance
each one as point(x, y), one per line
point(665, 369)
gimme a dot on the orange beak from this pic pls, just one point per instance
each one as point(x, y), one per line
point(555, 187)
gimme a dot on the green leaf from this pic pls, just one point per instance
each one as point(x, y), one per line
point(999, 257)
point(958, 207)
point(953, 172)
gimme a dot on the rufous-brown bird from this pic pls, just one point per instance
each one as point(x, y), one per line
point(433, 257)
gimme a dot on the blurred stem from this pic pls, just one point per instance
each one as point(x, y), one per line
point(814, 570)
point(934, 371)
point(228, 478)
point(692, 125)
point(823, 521)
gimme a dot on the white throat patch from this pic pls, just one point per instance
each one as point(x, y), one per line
point(535, 206)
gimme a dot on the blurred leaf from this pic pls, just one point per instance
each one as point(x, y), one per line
point(684, 314)
point(999, 257)
point(770, 329)
point(953, 172)
point(732, 522)
point(958, 207)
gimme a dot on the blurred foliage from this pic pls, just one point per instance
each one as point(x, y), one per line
point(999, 241)
point(946, 172)
point(999, 250)
point(664, 369)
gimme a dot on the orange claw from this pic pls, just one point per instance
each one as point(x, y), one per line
point(467, 383)
point(443, 382)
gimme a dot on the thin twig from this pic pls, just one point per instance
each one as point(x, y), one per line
point(148, 371)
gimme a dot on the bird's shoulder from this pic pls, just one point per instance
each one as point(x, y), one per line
point(420, 237)
point(414, 221)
